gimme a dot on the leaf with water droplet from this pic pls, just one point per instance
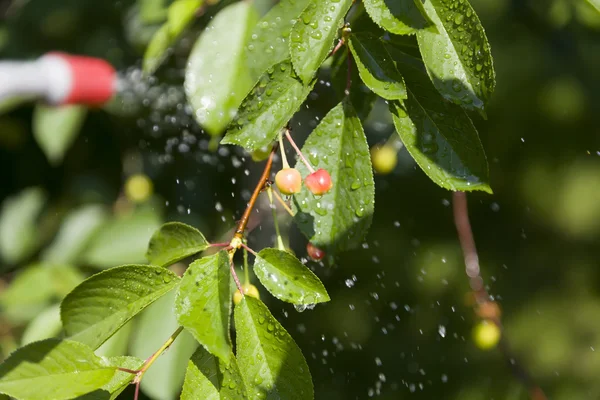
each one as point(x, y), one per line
point(312, 38)
point(208, 378)
point(180, 14)
point(270, 361)
point(452, 52)
point(286, 278)
point(256, 127)
point(401, 17)
point(268, 43)
point(342, 132)
point(439, 135)
point(203, 303)
point(376, 67)
point(217, 76)
point(174, 241)
point(103, 303)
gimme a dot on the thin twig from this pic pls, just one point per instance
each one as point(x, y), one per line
point(487, 308)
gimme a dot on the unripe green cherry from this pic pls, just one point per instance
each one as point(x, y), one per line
point(486, 335)
point(288, 181)
point(384, 159)
point(314, 252)
point(138, 188)
point(249, 290)
point(319, 182)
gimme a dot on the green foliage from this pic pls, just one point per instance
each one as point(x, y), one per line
point(203, 303)
point(45, 325)
point(56, 128)
point(208, 377)
point(100, 305)
point(53, 369)
point(287, 279)
point(174, 241)
point(119, 381)
point(312, 38)
point(400, 17)
point(216, 80)
point(270, 361)
point(268, 107)
point(338, 220)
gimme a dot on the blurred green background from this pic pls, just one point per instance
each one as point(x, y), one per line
point(399, 325)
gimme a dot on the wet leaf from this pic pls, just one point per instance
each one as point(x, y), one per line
point(203, 303)
point(267, 108)
point(268, 43)
point(53, 369)
point(400, 17)
point(217, 77)
point(103, 303)
point(376, 67)
point(439, 135)
point(207, 377)
point(270, 361)
point(340, 219)
point(286, 278)
point(457, 55)
point(56, 128)
point(312, 37)
point(175, 241)
point(119, 381)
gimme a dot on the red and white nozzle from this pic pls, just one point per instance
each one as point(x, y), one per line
point(59, 79)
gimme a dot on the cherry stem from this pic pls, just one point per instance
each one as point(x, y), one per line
point(304, 160)
point(283, 203)
point(280, 244)
point(349, 75)
point(246, 270)
point(473, 270)
point(234, 274)
point(245, 246)
point(284, 160)
point(222, 244)
point(338, 46)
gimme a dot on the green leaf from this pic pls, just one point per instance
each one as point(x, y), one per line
point(152, 11)
point(19, 233)
point(376, 67)
point(208, 378)
point(217, 77)
point(268, 43)
point(53, 369)
point(595, 4)
point(163, 381)
point(44, 326)
point(122, 240)
point(439, 136)
point(203, 303)
point(14, 102)
point(75, 232)
point(180, 14)
point(175, 241)
point(340, 219)
point(286, 278)
point(118, 343)
point(312, 38)
point(458, 56)
point(271, 363)
point(361, 97)
point(103, 303)
point(401, 17)
point(119, 381)
point(56, 128)
point(267, 108)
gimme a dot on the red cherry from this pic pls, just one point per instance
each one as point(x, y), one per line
point(319, 182)
point(314, 252)
point(288, 181)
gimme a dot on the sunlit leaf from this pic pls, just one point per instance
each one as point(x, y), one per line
point(338, 220)
point(56, 128)
point(217, 77)
point(312, 38)
point(19, 233)
point(118, 343)
point(45, 325)
point(203, 303)
point(207, 377)
point(595, 4)
point(174, 241)
point(287, 278)
point(376, 67)
point(439, 135)
point(156, 323)
point(267, 108)
point(75, 232)
point(270, 361)
point(119, 381)
point(268, 43)
point(100, 305)
point(53, 369)
point(400, 17)
point(152, 11)
point(457, 55)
